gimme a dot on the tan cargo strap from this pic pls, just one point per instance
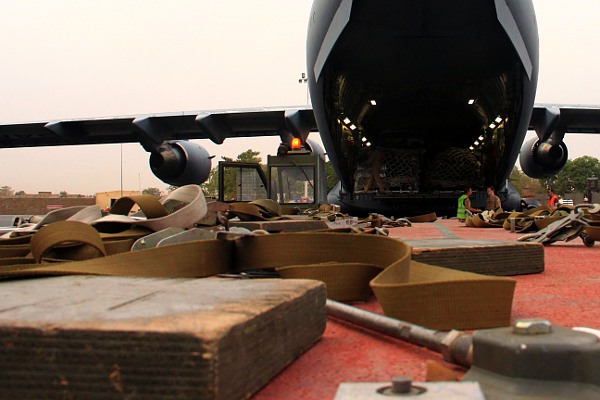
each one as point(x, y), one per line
point(252, 212)
point(435, 297)
point(22, 234)
point(181, 208)
point(14, 250)
point(431, 217)
point(150, 206)
point(65, 233)
point(261, 210)
point(113, 243)
point(164, 261)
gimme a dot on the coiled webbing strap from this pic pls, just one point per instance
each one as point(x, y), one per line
point(350, 265)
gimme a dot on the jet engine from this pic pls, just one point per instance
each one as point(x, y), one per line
point(543, 159)
point(180, 163)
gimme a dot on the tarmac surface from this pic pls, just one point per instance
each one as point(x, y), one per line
point(566, 293)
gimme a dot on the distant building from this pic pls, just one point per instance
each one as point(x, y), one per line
point(49, 195)
point(105, 200)
point(41, 203)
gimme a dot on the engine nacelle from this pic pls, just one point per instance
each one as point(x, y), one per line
point(180, 163)
point(543, 159)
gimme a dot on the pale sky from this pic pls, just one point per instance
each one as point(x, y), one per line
point(66, 59)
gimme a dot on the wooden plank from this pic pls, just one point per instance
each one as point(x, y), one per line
point(283, 225)
point(488, 257)
point(111, 337)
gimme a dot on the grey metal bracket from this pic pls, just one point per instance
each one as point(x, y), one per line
point(153, 133)
point(204, 234)
point(152, 240)
point(546, 127)
point(69, 131)
point(215, 126)
point(298, 125)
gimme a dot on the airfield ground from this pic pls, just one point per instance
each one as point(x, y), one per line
point(566, 293)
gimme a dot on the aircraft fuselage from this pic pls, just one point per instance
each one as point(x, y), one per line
point(422, 97)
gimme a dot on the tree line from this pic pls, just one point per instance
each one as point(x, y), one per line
point(572, 179)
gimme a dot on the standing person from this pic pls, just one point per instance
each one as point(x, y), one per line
point(493, 201)
point(464, 204)
point(375, 161)
point(552, 199)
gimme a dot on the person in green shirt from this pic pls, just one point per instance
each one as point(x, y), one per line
point(464, 204)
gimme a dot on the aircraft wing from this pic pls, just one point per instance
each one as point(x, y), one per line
point(571, 118)
point(214, 125)
point(219, 125)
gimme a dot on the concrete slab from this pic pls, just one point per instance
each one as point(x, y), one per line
point(111, 337)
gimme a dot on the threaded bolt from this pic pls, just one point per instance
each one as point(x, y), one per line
point(401, 384)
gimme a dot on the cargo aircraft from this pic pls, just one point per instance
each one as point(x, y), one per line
point(425, 96)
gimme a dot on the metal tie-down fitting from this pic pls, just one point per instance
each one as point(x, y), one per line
point(532, 326)
point(401, 386)
point(534, 359)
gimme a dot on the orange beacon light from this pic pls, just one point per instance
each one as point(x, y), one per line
point(296, 144)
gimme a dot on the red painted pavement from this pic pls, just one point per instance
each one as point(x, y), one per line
point(567, 294)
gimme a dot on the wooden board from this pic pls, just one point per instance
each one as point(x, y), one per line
point(283, 225)
point(486, 257)
point(125, 338)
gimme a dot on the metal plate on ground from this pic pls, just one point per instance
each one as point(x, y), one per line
point(433, 391)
